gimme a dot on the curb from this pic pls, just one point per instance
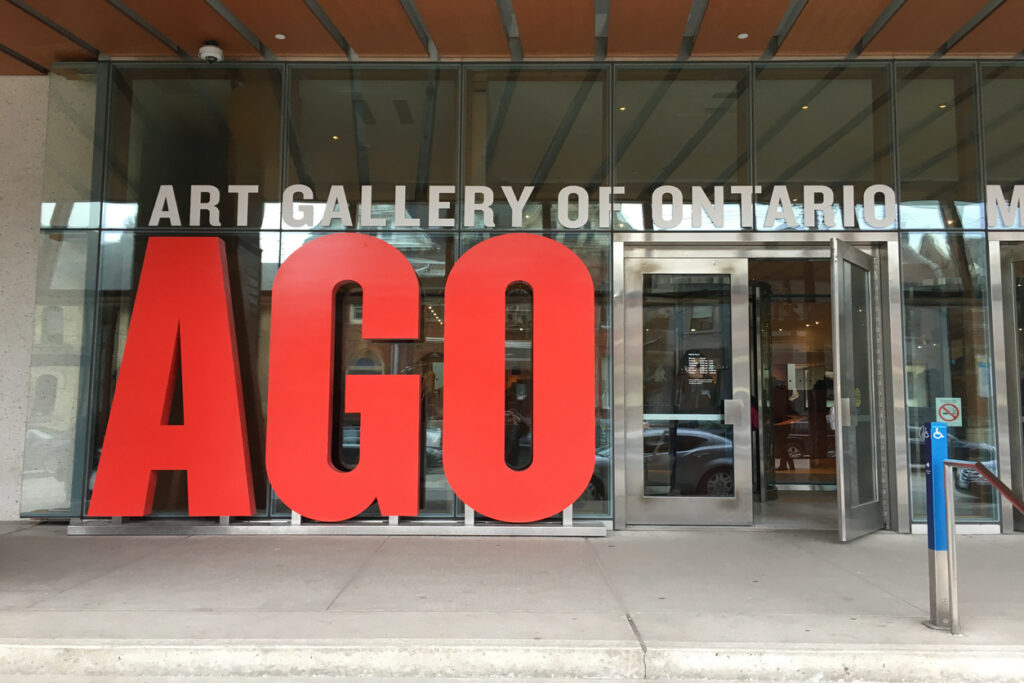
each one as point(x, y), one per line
point(831, 662)
point(479, 659)
point(386, 659)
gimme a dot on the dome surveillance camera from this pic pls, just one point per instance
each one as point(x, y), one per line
point(211, 53)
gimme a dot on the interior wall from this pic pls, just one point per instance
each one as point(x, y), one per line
point(23, 102)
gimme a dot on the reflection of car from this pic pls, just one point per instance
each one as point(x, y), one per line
point(692, 462)
point(795, 437)
point(597, 489)
point(958, 449)
point(968, 479)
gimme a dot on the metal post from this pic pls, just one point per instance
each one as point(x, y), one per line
point(954, 609)
point(936, 449)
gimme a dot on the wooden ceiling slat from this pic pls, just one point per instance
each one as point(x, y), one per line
point(555, 29)
point(465, 28)
point(375, 28)
point(30, 37)
point(724, 20)
point(9, 66)
point(830, 29)
point(304, 35)
point(647, 28)
point(190, 23)
point(103, 26)
point(999, 33)
point(921, 27)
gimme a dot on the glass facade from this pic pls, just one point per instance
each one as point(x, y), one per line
point(271, 157)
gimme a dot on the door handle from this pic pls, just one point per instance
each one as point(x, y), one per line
point(733, 409)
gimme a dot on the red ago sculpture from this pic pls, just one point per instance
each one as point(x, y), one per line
point(182, 317)
point(183, 309)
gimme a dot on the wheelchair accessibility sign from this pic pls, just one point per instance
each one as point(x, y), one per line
point(949, 411)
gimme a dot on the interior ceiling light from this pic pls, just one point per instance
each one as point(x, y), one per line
point(280, 36)
point(742, 36)
point(805, 107)
point(334, 137)
point(622, 109)
point(943, 105)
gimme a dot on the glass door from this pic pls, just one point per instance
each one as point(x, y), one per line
point(688, 431)
point(1012, 271)
point(856, 411)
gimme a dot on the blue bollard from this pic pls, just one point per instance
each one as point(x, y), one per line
point(936, 452)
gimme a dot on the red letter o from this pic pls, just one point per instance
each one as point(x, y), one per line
point(563, 368)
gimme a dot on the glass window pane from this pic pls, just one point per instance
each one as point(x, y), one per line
point(60, 359)
point(828, 127)
point(680, 127)
point(937, 129)
point(687, 353)
point(186, 127)
point(947, 351)
point(385, 127)
point(71, 194)
point(857, 381)
point(540, 127)
point(1002, 99)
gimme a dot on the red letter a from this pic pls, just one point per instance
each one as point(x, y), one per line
point(182, 311)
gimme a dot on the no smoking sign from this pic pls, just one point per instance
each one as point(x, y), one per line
point(948, 410)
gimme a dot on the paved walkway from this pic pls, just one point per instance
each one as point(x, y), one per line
point(722, 604)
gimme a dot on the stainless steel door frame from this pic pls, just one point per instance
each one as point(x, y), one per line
point(855, 518)
point(781, 245)
point(694, 510)
point(1004, 251)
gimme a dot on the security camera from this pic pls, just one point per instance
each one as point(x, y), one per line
point(211, 53)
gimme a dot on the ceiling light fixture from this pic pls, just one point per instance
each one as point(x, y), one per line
point(943, 105)
point(334, 137)
point(742, 36)
point(622, 109)
point(805, 107)
point(280, 36)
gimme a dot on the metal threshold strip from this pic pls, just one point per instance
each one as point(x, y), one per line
point(579, 529)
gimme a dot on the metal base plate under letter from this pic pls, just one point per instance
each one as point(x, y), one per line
point(370, 528)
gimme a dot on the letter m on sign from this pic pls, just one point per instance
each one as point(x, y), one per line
point(182, 319)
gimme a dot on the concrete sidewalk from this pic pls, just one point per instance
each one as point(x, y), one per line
point(702, 604)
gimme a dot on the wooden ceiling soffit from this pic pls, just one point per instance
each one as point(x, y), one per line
point(103, 26)
point(726, 20)
point(190, 23)
point(466, 28)
point(303, 34)
point(555, 29)
point(828, 28)
point(9, 66)
point(28, 36)
point(920, 27)
point(375, 28)
point(647, 28)
point(1000, 33)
